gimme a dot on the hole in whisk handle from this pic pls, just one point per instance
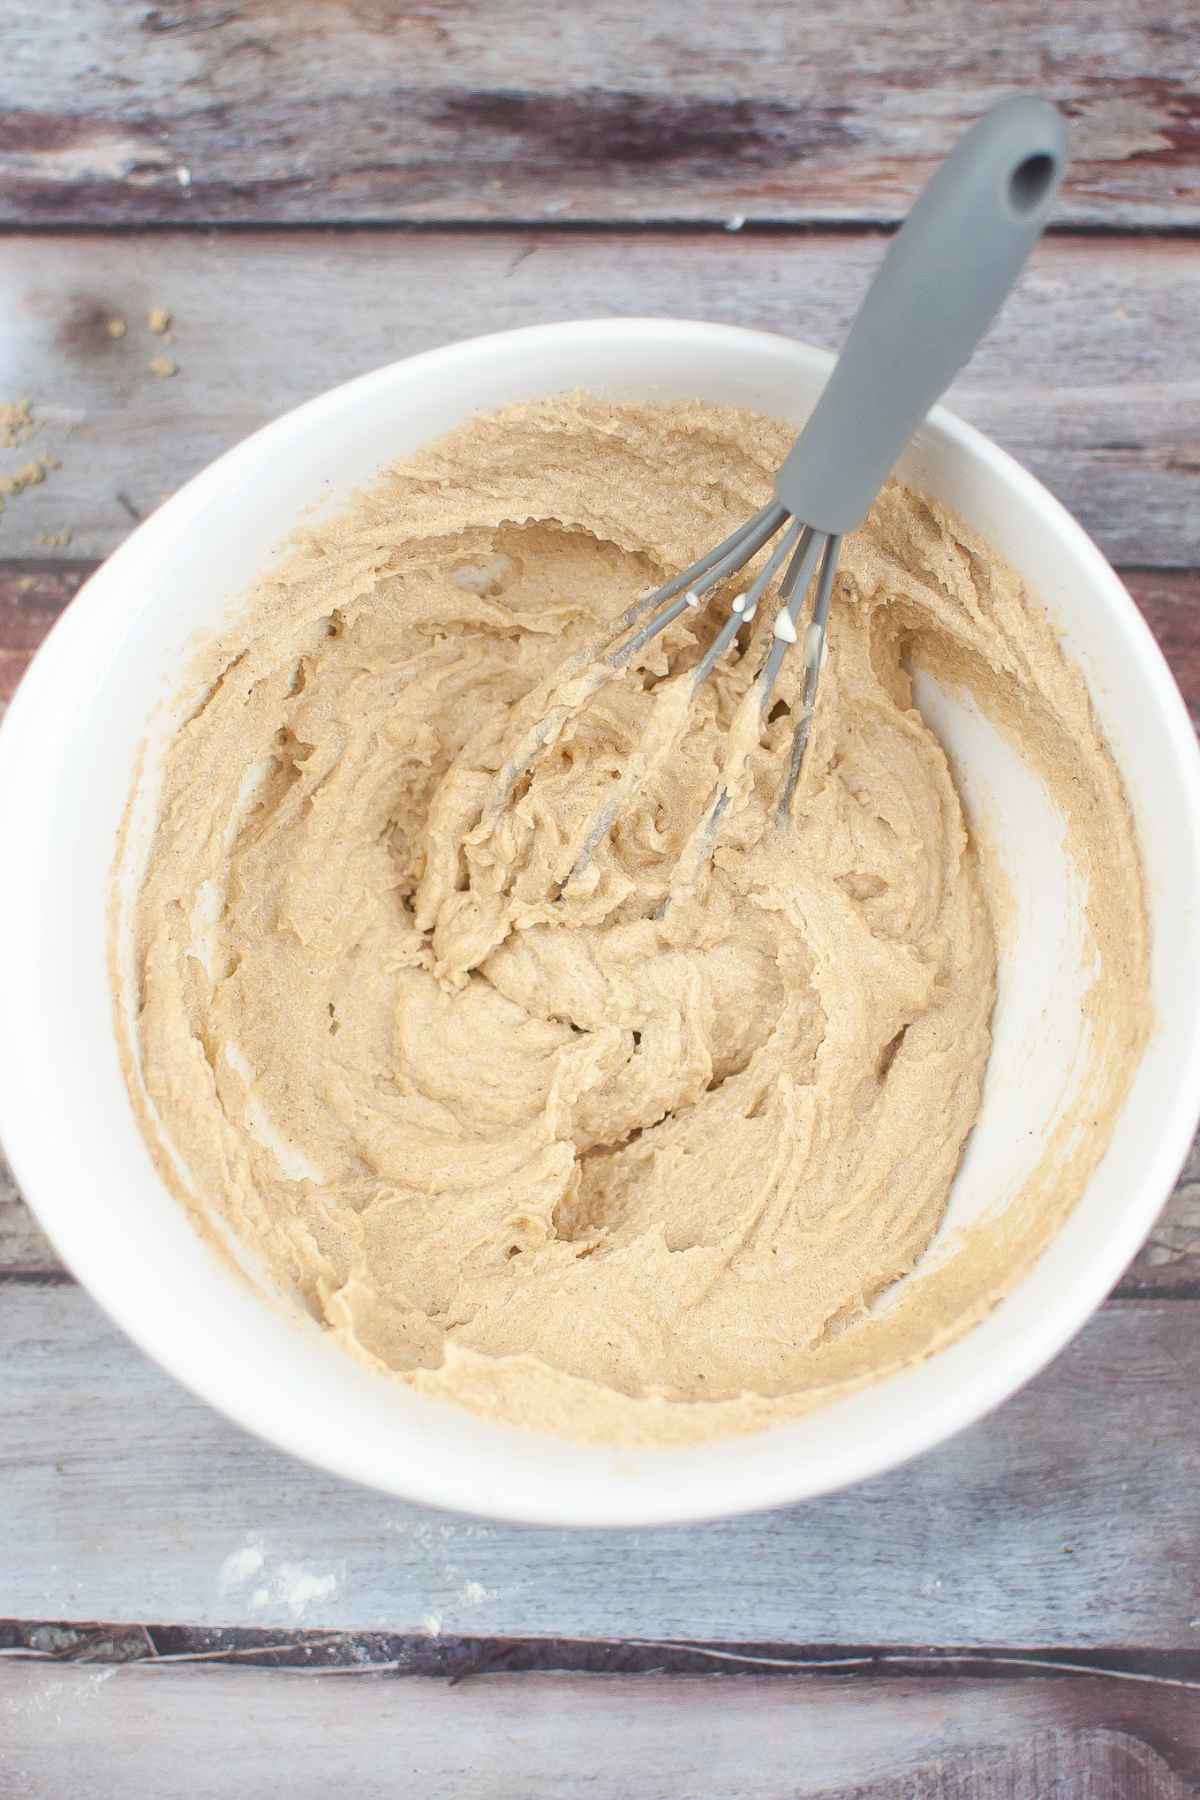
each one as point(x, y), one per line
point(1032, 182)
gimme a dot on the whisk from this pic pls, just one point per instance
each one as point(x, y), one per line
point(941, 283)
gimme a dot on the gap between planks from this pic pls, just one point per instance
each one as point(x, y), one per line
point(461, 1658)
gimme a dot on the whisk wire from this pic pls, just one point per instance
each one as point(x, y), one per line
point(792, 595)
point(699, 580)
point(746, 605)
point(814, 654)
point(761, 520)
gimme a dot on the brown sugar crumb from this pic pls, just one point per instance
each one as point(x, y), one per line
point(28, 476)
point(16, 422)
point(162, 366)
point(116, 328)
point(159, 319)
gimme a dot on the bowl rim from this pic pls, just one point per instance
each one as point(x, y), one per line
point(250, 1400)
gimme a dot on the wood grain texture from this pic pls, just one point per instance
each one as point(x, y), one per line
point(535, 1737)
point(24, 1246)
point(1170, 604)
point(499, 109)
point(31, 597)
point(1091, 374)
point(1067, 1518)
point(1169, 1260)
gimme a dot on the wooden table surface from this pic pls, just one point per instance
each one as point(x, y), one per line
point(316, 187)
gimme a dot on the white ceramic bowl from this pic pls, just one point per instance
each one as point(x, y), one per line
point(67, 756)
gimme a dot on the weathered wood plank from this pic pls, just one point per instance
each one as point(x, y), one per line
point(500, 109)
point(31, 597)
point(24, 1247)
point(1091, 374)
point(1169, 1260)
point(1068, 1518)
point(1170, 603)
point(532, 1737)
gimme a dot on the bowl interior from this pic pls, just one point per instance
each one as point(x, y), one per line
point(106, 678)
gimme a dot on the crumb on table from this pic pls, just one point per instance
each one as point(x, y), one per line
point(16, 422)
point(29, 475)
